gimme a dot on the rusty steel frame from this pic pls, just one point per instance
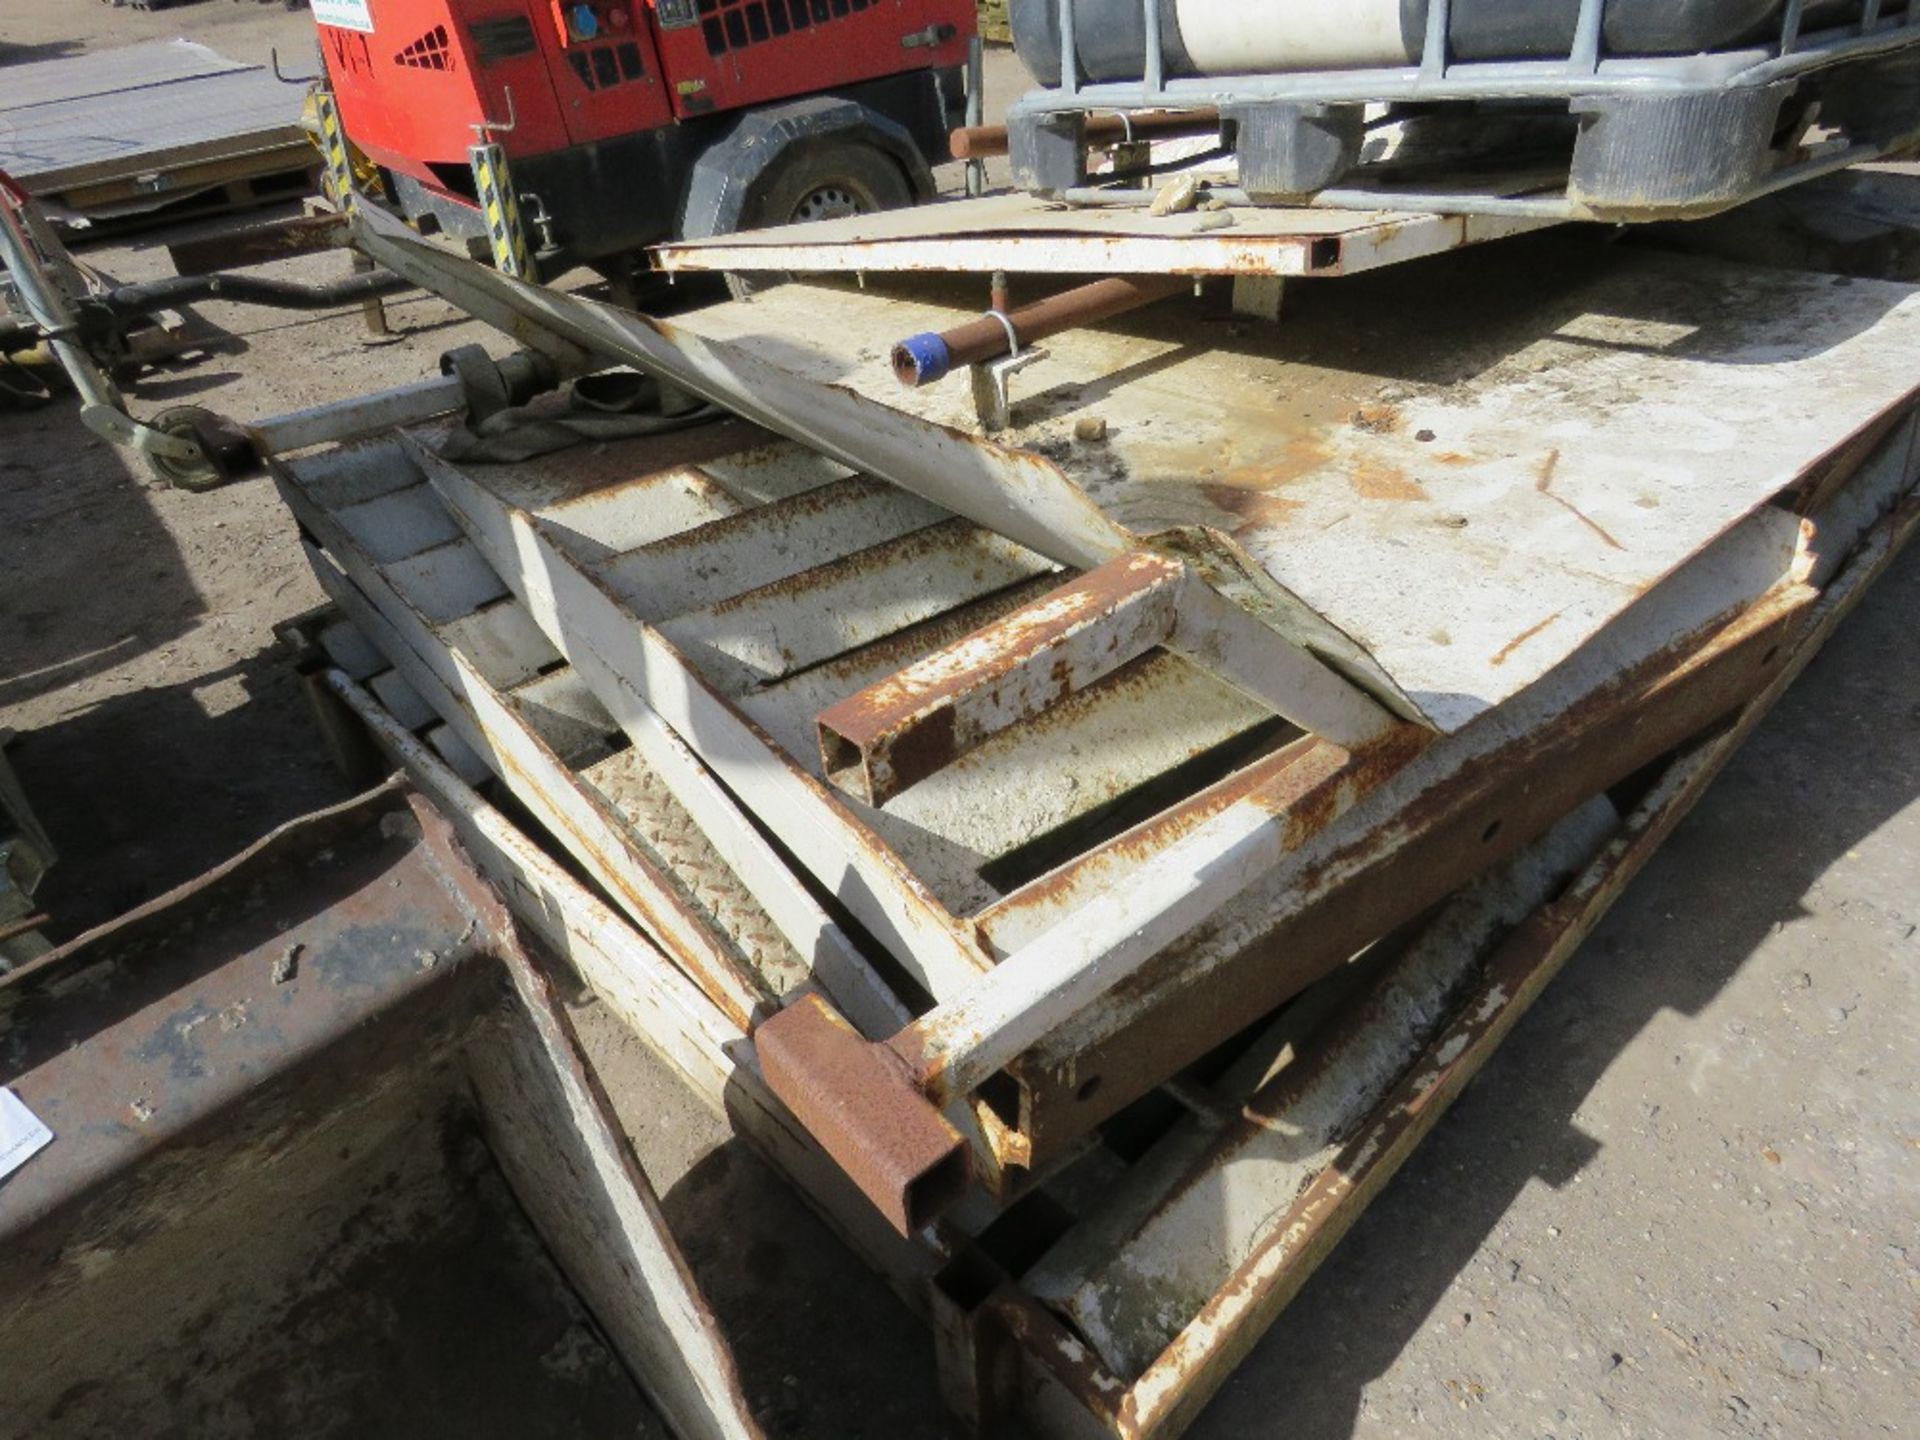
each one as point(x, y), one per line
point(484, 668)
point(237, 1016)
point(921, 719)
point(644, 670)
point(1056, 1367)
point(1004, 1351)
point(1320, 848)
point(1025, 235)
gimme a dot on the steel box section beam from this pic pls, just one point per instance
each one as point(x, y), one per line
point(1160, 1402)
point(898, 732)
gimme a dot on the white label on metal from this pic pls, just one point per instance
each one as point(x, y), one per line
point(22, 1136)
point(344, 14)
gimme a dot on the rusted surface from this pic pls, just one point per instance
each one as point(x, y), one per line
point(1048, 1347)
point(859, 1100)
point(1444, 839)
point(1175, 1388)
point(987, 339)
point(1310, 781)
point(927, 715)
point(127, 1039)
point(1828, 477)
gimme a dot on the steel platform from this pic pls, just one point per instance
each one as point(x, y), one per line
point(1024, 234)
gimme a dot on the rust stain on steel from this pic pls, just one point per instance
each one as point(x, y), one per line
point(1375, 480)
point(1438, 842)
point(1506, 651)
point(909, 726)
point(1330, 780)
point(1191, 1368)
point(859, 1100)
point(1296, 456)
point(1037, 1333)
point(1145, 841)
point(1819, 482)
point(1254, 509)
point(1543, 482)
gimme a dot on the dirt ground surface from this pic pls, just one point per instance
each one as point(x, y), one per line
point(1683, 1200)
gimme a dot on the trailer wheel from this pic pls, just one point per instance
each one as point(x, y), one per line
point(828, 183)
point(825, 183)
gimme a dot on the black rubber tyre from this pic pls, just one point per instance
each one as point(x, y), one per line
point(822, 182)
point(184, 420)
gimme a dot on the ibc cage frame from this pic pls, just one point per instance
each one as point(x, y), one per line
point(1298, 133)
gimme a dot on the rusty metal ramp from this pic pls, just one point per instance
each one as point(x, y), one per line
point(1470, 469)
point(1112, 744)
point(1442, 480)
point(1028, 235)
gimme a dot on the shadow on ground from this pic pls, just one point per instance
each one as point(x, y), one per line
point(146, 790)
point(1800, 795)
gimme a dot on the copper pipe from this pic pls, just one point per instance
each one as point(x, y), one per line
point(979, 142)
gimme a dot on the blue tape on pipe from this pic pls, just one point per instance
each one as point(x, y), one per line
point(930, 356)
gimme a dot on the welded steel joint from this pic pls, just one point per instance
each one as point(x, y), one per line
point(896, 733)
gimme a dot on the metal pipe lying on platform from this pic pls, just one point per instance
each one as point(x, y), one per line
point(981, 142)
point(924, 359)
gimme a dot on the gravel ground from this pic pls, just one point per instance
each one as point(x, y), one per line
point(1683, 1200)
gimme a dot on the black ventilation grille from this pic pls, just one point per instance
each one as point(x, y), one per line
point(432, 51)
point(607, 65)
point(507, 38)
point(737, 24)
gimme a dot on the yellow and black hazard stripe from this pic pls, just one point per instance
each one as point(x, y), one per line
point(333, 146)
point(493, 184)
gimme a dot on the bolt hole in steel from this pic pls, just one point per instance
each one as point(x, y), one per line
point(1492, 830)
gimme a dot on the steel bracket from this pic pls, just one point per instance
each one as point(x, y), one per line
point(992, 402)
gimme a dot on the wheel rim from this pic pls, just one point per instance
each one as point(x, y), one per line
point(832, 201)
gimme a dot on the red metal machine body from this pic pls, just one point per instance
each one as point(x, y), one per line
point(610, 103)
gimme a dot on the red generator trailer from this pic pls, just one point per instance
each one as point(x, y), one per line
point(626, 122)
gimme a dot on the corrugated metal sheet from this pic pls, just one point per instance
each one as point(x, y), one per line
point(90, 117)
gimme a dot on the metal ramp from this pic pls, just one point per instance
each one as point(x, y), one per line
point(1027, 235)
point(1111, 796)
point(1121, 744)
